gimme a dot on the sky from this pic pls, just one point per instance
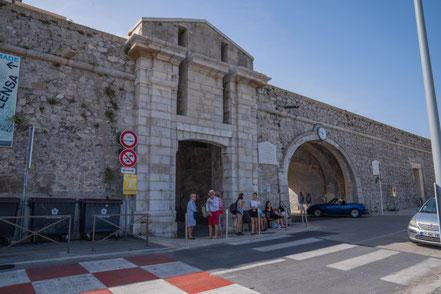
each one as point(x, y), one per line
point(358, 55)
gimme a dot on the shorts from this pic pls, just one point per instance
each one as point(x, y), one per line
point(253, 213)
point(213, 219)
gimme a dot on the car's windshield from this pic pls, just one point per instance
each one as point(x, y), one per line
point(429, 206)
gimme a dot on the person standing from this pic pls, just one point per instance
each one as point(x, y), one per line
point(308, 200)
point(301, 200)
point(284, 213)
point(191, 215)
point(254, 210)
point(213, 213)
point(239, 213)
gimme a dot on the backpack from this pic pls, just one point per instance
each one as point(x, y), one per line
point(233, 208)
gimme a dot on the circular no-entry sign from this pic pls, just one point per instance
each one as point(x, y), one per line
point(128, 139)
point(128, 158)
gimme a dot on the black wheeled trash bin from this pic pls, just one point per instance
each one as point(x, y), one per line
point(52, 207)
point(90, 207)
point(8, 207)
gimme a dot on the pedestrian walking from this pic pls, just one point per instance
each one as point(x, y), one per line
point(192, 215)
point(239, 213)
point(254, 210)
point(212, 207)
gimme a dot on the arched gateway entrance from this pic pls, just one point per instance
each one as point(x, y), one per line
point(319, 167)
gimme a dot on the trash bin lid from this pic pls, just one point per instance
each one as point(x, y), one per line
point(9, 199)
point(35, 199)
point(92, 200)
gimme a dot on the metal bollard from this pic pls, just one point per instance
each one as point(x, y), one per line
point(186, 229)
point(226, 223)
point(258, 219)
point(306, 218)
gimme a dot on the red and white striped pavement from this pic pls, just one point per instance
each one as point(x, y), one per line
point(138, 274)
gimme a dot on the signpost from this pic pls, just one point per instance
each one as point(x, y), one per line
point(9, 70)
point(128, 159)
point(376, 172)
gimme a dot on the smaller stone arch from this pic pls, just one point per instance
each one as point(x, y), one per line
point(352, 183)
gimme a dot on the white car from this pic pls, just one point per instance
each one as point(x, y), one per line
point(424, 227)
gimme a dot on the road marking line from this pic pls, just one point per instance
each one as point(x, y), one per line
point(415, 272)
point(235, 288)
point(235, 269)
point(320, 252)
point(361, 260)
point(262, 239)
point(287, 244)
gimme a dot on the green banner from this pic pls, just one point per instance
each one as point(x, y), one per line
point(9, 70)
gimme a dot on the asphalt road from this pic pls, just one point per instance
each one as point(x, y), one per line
point(340, 255)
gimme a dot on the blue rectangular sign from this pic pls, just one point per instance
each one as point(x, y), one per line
point(9, 70)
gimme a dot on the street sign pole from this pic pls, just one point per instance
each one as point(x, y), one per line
point(432, 107)
point(25, 181)
point(381, 194)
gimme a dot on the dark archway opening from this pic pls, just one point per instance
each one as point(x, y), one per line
point(198, 169)
point(314, 169)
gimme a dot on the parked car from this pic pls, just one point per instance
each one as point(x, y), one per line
point(424, 226)
point(338, 207)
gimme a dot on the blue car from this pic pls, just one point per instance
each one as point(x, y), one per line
point(338, 207)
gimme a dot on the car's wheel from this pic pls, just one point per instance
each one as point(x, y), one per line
point(355, 213)
point(317, 213)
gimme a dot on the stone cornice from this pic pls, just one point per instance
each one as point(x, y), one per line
point(253, 78)
point(207, 64)
point(141, 46)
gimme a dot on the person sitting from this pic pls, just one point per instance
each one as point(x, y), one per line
point(271, 215)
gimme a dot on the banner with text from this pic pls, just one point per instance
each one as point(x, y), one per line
point(9, 70)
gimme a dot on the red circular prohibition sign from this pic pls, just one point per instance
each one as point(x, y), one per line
point(128, 158)
point(128, 139)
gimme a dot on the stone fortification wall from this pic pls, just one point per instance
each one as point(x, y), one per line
point(361, 140)
point(76, 88)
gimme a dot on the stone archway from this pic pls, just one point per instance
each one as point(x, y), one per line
point(328, 164)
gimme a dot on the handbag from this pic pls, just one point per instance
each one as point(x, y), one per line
point(204, 211)
point(195, 215)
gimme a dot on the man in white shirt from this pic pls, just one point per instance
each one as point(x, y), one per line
point(213, 213)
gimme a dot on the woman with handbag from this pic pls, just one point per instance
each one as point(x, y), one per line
point(192, 215)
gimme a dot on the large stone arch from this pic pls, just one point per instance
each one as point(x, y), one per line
point(352, 182)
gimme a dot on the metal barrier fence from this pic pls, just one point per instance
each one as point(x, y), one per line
point(37, 233)
point(125, 229)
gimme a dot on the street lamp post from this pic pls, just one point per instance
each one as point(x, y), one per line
point(432, 107)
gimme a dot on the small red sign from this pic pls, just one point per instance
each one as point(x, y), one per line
point(128, 158)
point(128, 139)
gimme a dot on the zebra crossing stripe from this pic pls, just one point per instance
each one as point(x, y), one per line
point(287, 244)
point(320, 252)
point(249, 266)
point(256, 240)
point(361, 260)
point(415, 273)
